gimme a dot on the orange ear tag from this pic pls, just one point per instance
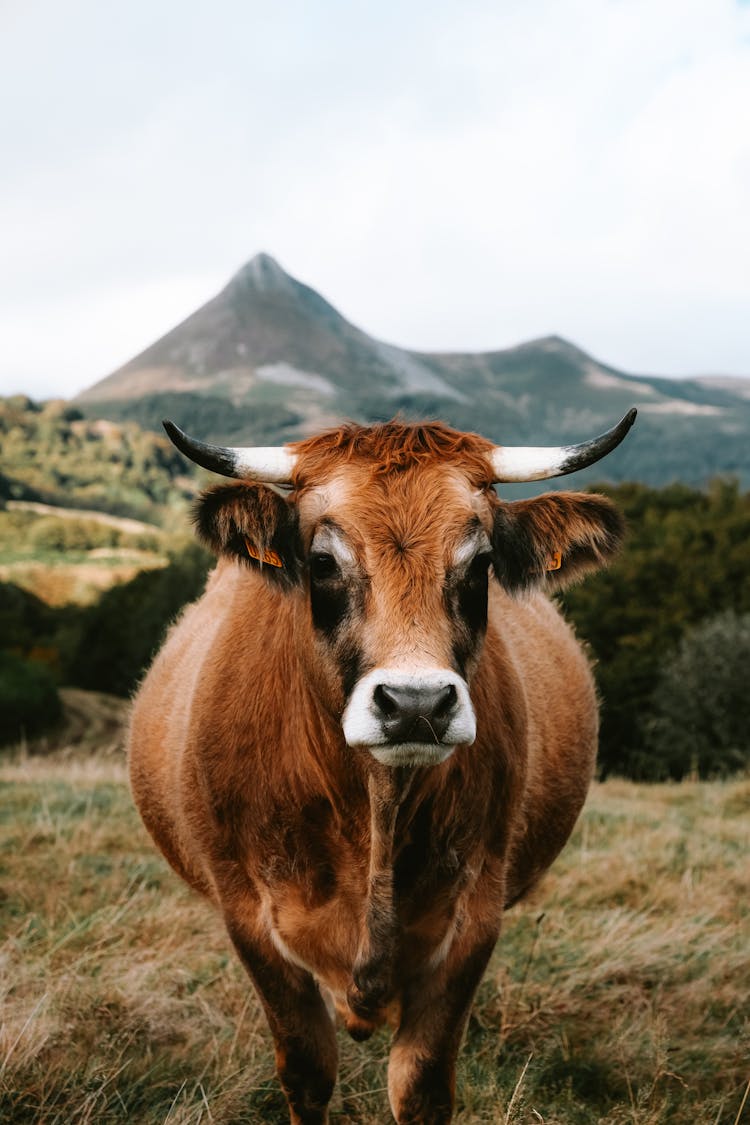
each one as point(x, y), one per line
point(554, 562)
point(267, 557)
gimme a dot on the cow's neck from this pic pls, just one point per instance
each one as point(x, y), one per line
point(371, 977)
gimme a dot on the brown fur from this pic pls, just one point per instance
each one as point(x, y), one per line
point(390, 447)
point(382, 887)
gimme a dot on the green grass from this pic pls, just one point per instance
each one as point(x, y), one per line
point(618, 995)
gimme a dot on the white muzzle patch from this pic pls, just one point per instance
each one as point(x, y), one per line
point(366, 726)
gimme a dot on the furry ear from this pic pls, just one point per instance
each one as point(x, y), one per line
point(254, 524)
point(554, 539)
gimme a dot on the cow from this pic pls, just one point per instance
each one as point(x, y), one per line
point(374, 731)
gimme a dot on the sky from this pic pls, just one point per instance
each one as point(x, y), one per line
point(457, 175)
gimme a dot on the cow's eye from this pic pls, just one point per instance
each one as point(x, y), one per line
point(323, 566)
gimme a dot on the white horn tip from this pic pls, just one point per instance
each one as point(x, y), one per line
point(272, 463)
point(527, 463)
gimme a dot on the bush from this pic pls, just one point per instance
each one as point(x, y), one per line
point(686, 559)
point(29, 702)
point(699, 719)
point(120, 635)
point(26, 622)
point(54, 533)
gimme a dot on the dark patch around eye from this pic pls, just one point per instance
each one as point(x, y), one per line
point(350, 662)
point(322, 566)
point(472, 603)
point(329, 601)
point(336, 604)
point(466, 600)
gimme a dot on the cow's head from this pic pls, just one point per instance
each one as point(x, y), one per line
point(388, 539)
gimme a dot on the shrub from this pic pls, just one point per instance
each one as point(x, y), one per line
point(29, 702)
point(121, 633)
point(686, 559)
point(25, 621)
point(699, 720)
point(54, 533)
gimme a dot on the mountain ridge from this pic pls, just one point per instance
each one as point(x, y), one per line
point(268, 359)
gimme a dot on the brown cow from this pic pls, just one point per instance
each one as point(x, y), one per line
point(373, 733)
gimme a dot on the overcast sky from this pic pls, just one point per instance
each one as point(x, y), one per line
point(460, 175)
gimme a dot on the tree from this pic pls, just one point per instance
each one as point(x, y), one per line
point(699, 718)
point(121, 633)
point(686, 559)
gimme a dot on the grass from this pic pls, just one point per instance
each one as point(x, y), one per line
point(72, 556)
point(76, 580)
point(618, 995)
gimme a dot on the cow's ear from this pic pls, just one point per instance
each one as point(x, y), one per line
point(254, 524)
point(552, 540)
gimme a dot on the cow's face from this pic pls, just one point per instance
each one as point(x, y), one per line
point(397, 572)
point(391, 569)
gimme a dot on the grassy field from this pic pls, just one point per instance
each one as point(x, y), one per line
point(618, 995)
point(69, 556)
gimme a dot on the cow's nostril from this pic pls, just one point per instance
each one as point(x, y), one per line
point(414, 712)
point(386, 701)
point(445, 702)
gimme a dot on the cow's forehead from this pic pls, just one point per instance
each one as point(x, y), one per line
point(429, 505)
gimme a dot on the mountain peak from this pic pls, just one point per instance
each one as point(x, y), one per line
point(555, 343)
point(263, 274)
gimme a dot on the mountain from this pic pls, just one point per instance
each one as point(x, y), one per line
point(269, 360)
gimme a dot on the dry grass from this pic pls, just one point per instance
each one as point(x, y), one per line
point(81, 582)
point(619, 995)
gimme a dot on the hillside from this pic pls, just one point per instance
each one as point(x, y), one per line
point(269, 360)
point(52, 454)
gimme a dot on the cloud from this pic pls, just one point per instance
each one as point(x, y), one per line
point(51, 347)
point(449, 176)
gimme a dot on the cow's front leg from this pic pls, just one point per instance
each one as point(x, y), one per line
point(422, 1065)
point(302, 1029)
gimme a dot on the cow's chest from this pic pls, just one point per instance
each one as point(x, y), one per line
point(327, 909)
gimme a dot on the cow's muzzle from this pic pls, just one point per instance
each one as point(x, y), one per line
point(409, 718)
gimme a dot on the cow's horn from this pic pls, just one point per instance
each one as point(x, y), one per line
point(524, 463)
point(272, 463)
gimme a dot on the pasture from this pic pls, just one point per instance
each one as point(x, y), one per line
point(619, 994)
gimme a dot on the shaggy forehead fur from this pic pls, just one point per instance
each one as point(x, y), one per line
point(390, 447)
point(403, 494)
